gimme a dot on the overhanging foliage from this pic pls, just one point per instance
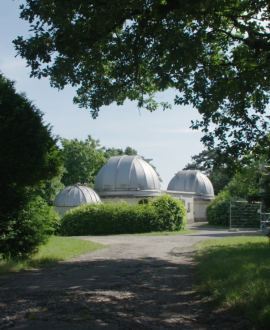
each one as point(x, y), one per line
point(215, 54)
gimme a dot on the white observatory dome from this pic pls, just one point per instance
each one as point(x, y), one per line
point(192, 181)
point(73, 196)
point(127, 176)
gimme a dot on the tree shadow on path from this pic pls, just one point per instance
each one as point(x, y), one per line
point(147, 293)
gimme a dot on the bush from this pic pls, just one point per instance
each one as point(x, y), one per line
point(218, 211)
point(144, 201)
point(163, 213)
point(23, 231)
point(171, 214)
point(105, 219)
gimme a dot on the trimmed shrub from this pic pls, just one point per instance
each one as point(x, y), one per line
point(23, 231)
point(144, 201)
point(171, 214)
point(218, 211)
point(162, 213)
point(105, 219)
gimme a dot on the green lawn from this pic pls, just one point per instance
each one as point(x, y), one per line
point(57, 248)
point(235, 273)
point(215, 226)
point(158, 233)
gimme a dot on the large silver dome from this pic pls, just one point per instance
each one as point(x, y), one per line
point(75, 195)
point(193, 182)
point(127, 176)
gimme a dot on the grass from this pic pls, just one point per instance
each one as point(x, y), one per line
point(57, 249)
point(235, 273)
point(158, 233)
point(215, 226)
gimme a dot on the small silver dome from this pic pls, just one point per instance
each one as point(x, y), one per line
point(75, 195)
point(127, 175)
point(192, 181)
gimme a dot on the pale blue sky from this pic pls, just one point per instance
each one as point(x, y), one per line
point(163, 135)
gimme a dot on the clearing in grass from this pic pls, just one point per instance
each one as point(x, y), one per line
point(57, 249)
point(160, 233)
point(235, 273)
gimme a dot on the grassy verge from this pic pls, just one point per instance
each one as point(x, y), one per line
point(215, 226)
point(235, 272)
point(158, 233)
point(57, 248)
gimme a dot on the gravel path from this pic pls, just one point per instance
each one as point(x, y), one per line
point(139, 282)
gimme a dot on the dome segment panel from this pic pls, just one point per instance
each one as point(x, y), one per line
point(208, 185)
point(201, 185)
point(100, 177)
point(172, 183)
point(123, 173)
point(135, 176)
point(178, 183)
point(192, 181)
point(139, 170)
point(89, 195)
point(108, 174)
point(151, 177)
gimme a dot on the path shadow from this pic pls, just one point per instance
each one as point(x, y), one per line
point(148, 293)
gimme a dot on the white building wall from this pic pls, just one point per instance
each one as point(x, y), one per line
point(129, 200)
point(200, 209)
point(188, 201)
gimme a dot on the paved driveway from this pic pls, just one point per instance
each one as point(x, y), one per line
point(138, 282)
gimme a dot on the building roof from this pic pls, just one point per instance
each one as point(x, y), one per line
point(75, 195)
point(127, 175)
point(192, 181)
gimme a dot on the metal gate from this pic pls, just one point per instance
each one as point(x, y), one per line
point(245, 215)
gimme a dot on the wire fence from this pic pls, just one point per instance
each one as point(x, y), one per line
point(245, 215)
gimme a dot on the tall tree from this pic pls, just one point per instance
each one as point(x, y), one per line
point(82, 160)
point(48, 189)
point(110, 152)
point(28, 154)
point(215, 54)
point(130, 152)
point(28, 151)
point(205, 162)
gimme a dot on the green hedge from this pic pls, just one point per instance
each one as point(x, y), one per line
point(218, 211)
point(162, 213)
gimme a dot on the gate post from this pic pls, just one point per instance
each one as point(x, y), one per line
point(230, 214)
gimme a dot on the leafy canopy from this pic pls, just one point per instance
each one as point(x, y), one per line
point(214, 54)
point(82, 160)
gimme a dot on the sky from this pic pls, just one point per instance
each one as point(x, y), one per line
point(163, 136)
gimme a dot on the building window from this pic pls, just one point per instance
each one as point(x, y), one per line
point(188, 207)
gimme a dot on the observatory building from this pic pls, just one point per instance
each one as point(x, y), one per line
point(73, 196)
point(195, 190)
point(128, 178)
point(131, 178)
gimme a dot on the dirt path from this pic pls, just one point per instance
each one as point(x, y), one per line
point(139, 282)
